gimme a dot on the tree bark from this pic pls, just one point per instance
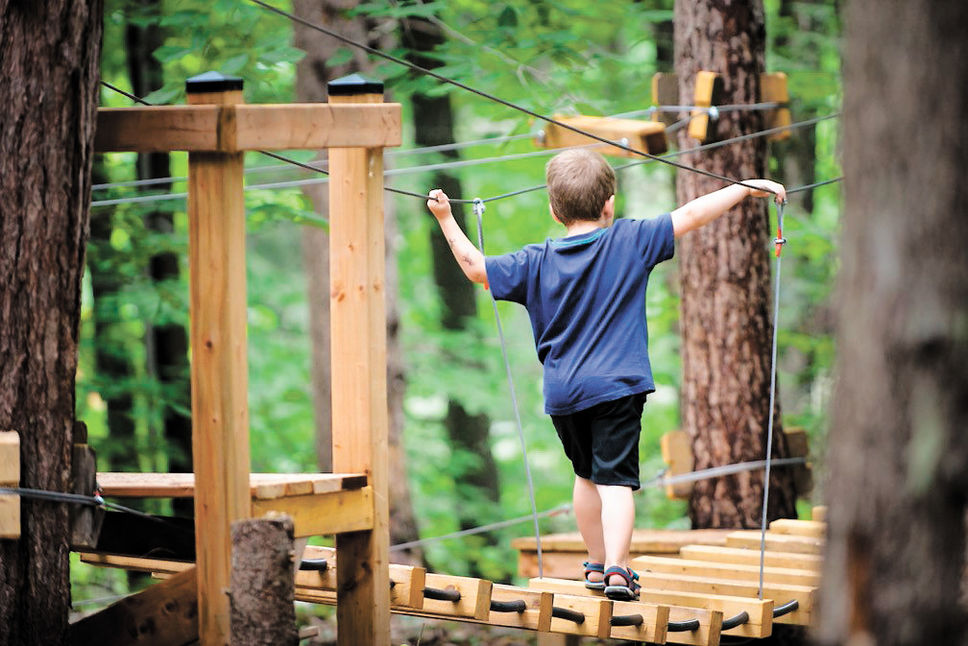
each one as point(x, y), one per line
point(49, 64)
point(263, 580)
point(725, 278)
point(433, 117)
point(898, 454)
point(167, 341)
point(312, 75)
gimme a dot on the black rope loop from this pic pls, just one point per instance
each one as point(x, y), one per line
point(738, 620)
point(313, 565)
point(786, 608)
point(450, 594)
point(683, 626)
point(518, 606)
point(627, 620)
point(570, 615)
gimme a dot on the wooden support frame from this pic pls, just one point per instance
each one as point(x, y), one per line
point(215, 128)
point(9, 477)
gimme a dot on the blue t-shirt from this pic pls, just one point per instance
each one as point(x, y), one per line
point(585, 295)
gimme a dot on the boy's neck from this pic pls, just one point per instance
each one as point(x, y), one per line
point(584, 226)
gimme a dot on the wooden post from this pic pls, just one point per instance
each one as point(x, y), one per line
point(359, 367)
point(220, 434)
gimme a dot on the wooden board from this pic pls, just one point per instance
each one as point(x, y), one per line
point(162, 614)
point(322, 514)
point(138, 564)
point(710, 626)
point(665, 91)
point(819, 513)
point(9, 477)
point(706, 88)
point(811, 562)
point(646, 136)
point(794, 527)
point(597, 612)
point(655, 619)
point(644, 541)
point(725, 570)
point(773, 89)
point(537, 616)
point(750, 539)
point(475, 596)
point(778, 592)
point(240, 127)
point(263, 486)
point(407, 581)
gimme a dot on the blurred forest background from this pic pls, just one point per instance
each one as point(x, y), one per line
point(462, 460)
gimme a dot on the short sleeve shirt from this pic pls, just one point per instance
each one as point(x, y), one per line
point(585, 296)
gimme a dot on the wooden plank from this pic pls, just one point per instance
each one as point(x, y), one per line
point(665, 91)
point(811, 562)
point(677, 454)
point(138, 564)
point(219, 369)
point(794, 527)
point(644, 541)
point(261, 485)
point(329, 513)
point(157, 128)
point(537, 616)
point(9, 477)
point(759, 611)
point(750, 539)
point(359, 378)
point(707, 88)
point(725, 570)
point(235, 128)
point(646, 136)
point(160, 615)
point(475, 596)
point(819, 513)
point(318, 125)
point(778, 592)
point(655, 619)
point(773, 89)
point(407, 582)
point(710, 626)
point(597, 612)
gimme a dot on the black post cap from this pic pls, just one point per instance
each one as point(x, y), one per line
point(212, 82)
point(354, 84)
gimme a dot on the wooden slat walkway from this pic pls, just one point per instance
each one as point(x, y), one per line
point(263, 486)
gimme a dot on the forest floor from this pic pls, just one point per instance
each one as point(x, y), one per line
point(416, 631)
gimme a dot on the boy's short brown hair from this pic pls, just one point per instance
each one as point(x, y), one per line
point(580, 181)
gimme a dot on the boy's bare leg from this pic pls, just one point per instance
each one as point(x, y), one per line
point(588, 515)
point(618, 518)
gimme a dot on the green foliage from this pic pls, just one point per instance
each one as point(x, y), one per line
point(570, 56)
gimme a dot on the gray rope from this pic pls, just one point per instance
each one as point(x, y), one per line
point(479, 212)
point(779, 241)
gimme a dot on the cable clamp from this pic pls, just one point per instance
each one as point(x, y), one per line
point(713, 112)
point(479, 207)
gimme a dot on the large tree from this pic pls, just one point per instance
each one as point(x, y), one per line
point(49, 65)
point(898, 453)
point(725, 276)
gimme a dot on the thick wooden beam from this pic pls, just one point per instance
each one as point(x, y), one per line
point(359, 379)
point(708, 88)
point(235, 128)
point(794, 527)
point(677, 454)
point(9, 477)
point(161, 615)
point(811, 562)
point(647, 136)
point(323, 514)
point(219, 366)
point(750, 539)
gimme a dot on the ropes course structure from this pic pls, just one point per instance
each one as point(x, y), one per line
point(690, 600)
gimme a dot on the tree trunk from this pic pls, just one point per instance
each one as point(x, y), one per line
point(167, 341)
point(898, 453)
point(433, 117)
point(49, 65)
point(725, 279)
point(312, 75)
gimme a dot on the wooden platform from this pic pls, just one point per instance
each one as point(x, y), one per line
point(563, 553)
point(319, 503)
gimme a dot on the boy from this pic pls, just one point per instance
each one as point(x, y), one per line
point(585, 295)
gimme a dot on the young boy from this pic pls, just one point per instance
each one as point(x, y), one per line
point(585, 295)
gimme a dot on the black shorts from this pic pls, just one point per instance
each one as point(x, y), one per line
point(602, 442)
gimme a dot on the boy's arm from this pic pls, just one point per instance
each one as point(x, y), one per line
point(469, 257)
point(707, 208)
